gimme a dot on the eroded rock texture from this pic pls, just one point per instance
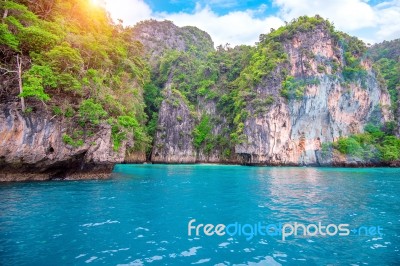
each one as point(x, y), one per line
point(292, 131)
point(32, 148)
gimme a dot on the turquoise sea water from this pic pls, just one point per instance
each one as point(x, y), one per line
point(141, 217)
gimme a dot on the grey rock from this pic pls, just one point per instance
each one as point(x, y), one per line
point(32, 148)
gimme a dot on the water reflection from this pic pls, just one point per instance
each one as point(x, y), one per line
point(305, 194)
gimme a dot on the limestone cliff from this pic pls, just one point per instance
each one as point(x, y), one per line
point(32, 148)
point(158, 37)
point(179, 61)
point(386, 57)
point(292, 131)
point(397, 110)
point(71, 92)
point(173, 140)
point(174, 136)
point(280, 128)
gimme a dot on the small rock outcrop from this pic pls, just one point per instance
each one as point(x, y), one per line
point(32, 148)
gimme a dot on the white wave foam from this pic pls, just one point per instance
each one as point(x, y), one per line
point(98, 224)
point(191, 252)
point(202, 261)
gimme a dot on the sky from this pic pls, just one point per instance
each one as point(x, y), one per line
point(241, 22)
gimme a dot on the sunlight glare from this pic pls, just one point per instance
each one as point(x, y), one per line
point(97, 2)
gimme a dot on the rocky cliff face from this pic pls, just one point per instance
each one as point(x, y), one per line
point(181, 53)
point(32, 148)
point(397, 114)
point(386, 57)
point(174, 140)
point(292, 131)
point(158, 37)
point(71, 92)
point(174, 136)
